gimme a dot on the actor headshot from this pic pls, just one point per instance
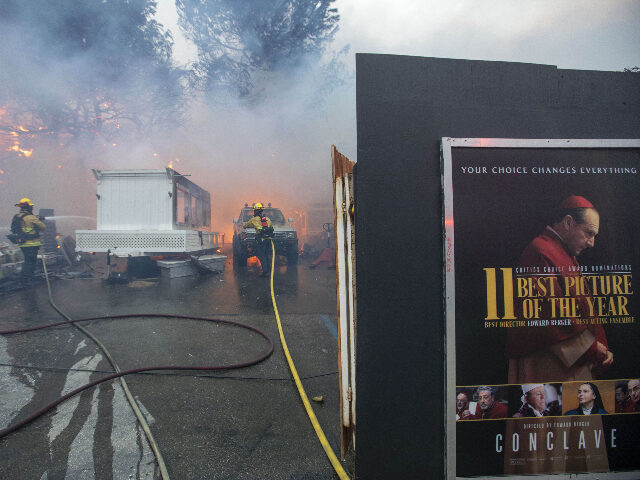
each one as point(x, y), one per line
point(622, 397)
point(560, 352)
point(589, 401)
point(633, 387)
point(534, 402)
point(487, 407)
point(462, 406)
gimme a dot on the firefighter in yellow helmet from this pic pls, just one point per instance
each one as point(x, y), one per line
point(264, 231)
point(27, 227)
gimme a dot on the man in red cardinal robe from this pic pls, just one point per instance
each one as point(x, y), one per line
point(576, 350)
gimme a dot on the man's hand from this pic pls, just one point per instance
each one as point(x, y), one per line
point(604, 358)
point(601, 352)
point(609, 360)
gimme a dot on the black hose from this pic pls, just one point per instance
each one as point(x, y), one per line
point(43, 410)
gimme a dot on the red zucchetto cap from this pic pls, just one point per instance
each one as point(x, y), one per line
point(574, 201)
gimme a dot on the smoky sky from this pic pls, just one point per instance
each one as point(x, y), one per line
point(273, 147)
point(571, 34)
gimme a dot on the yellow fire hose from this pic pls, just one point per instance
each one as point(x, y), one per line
point(305, 400)
point(307, 406)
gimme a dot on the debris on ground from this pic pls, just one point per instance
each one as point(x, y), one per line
point(141, 284)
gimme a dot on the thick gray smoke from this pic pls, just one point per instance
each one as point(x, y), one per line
point(75, 94)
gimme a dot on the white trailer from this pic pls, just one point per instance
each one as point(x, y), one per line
point(149, 212)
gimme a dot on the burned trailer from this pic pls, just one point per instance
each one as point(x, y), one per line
point(143, 213)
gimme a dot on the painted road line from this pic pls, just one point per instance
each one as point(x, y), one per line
point(80, 461)
point(132, 455)
point(65, 411)
point(14, 394)
point(329, 324)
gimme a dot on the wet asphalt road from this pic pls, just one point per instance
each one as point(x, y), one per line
point(239, 424)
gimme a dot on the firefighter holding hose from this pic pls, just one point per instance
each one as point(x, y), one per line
point(264, 231)
point(26, 228)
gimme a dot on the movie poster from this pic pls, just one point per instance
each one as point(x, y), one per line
point(543, 316)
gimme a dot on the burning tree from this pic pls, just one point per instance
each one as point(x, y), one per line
point(239, 40)
point(81, 69)
point(80, 78)
point(87, 69)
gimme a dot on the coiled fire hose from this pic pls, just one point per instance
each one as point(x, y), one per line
point(120, 374)
point(303, 395)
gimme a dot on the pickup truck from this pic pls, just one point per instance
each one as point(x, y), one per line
point(285, 238)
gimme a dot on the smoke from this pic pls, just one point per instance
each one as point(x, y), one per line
point(273, 147)
point(277, 151)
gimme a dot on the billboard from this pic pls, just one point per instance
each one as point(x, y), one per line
point(541, 243)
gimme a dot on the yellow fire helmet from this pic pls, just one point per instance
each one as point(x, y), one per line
point(258, 206)
point(24, 202)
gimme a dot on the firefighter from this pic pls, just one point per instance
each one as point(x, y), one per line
point(264, 231)
point(27, 227)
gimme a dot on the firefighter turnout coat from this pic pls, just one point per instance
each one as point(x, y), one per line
point(256, 222)
point(31, 225)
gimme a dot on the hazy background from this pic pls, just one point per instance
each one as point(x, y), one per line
point(250, 112)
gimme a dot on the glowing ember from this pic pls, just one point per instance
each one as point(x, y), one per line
point(20, 151)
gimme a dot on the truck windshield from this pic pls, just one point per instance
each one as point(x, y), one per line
point(274, 214)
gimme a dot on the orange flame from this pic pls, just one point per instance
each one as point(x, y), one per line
point(15, 134)
point(20, 151)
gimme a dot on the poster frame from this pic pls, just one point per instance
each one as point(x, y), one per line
point(446, 147)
